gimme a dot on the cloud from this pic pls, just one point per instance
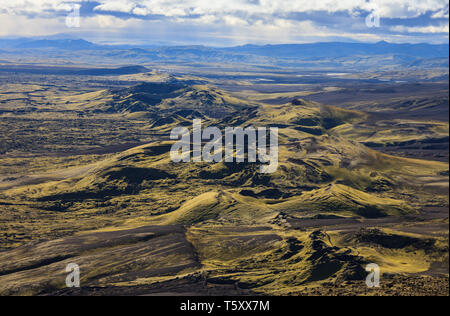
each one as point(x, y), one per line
point(442, 14)
point(422, 29)
point(116, 6)
point(178, 8)
point(387, 8)
point(38, 7)
point(10, 24)
point(233, 21)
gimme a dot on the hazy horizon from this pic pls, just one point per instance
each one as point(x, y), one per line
point(61, 37)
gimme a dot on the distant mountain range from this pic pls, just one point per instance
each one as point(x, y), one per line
point(73, 71)
point(326, 54)
point(61, 44)
point(337, 49)
point(329, 49)
point(25, 43)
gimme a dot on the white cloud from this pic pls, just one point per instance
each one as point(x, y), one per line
point(116, 6)
point(13, 24)
point(387, 8)
point(21, 7)
point(430, 29)
point(237, 20)
point(234, 21)
point(177, 8)
point(442, 14)
point(140, 11)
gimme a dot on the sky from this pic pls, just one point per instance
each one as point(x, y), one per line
point(228, 22)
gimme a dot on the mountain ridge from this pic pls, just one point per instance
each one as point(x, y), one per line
point(318, 49)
